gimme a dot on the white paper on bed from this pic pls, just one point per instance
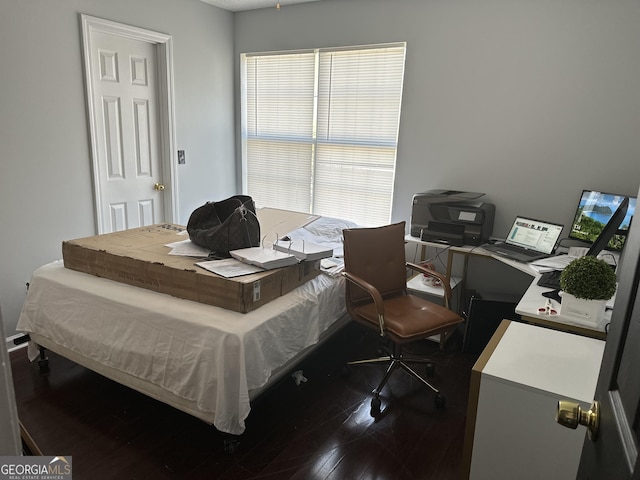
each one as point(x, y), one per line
point(266, 258)
point(201, 353)
point(303, 250)
point(324, 231)
point(229, 267)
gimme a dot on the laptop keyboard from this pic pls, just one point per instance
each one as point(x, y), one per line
point(523, 251)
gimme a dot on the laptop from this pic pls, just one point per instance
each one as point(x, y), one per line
point(529, 239)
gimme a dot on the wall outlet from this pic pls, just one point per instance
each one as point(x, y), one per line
point(181, 158)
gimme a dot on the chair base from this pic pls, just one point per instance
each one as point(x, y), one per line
point(396, 360)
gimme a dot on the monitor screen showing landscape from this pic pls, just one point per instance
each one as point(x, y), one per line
point(594, 210)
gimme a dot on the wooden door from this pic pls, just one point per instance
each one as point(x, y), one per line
point(129, 126)
point(614, 451)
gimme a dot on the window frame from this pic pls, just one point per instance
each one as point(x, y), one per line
point(314, 141)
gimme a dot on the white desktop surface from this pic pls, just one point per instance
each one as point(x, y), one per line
point(532, 299)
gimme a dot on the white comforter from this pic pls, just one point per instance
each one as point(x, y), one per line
point(203, 354)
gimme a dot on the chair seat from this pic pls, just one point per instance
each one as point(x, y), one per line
point(408, 317)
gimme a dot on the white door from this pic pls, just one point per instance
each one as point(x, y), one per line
point(613, 451)
point(131, 147)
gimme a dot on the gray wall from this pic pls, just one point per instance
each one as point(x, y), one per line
point(526, 101)
point(45, 178)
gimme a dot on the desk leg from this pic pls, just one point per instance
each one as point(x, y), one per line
point(464, 271)
point(449, 263)
point(461, 286)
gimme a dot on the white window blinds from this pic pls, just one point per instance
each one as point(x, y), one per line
point(320, 130)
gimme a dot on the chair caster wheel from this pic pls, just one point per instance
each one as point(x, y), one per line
point(440, 401)
point(430, 369)
point(375, 406)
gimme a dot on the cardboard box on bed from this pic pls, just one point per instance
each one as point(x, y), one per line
point(139, 257)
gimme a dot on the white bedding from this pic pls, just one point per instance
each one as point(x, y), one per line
point(206, 359)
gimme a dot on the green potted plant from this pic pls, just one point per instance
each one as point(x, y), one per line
point(587, 283)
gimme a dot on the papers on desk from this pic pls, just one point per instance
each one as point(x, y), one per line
point(557, 262)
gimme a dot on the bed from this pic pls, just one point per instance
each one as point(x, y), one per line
point(204, 360)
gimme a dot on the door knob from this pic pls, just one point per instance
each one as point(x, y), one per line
point(570, 415)
point(159, 187)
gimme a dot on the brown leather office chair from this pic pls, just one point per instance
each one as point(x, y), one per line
point(376, 296)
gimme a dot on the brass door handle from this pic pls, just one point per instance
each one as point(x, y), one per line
point(570, 415)
point(159, 187)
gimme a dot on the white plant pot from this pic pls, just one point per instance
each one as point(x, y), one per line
point(589, 313)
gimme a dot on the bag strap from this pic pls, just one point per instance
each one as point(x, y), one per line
point(243, 210)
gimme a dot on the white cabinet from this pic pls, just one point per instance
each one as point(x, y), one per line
point(515, 388)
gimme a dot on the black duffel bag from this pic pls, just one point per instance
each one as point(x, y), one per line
point(227, 225)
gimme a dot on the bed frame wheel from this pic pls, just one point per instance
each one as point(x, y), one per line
point(231, 445)
point(43, 362)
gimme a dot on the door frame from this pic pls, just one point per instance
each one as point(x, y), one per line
point(163, 45)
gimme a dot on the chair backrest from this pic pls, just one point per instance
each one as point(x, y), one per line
point(377, 256)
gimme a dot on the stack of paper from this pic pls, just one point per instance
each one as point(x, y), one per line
point(303, 250)
point(186, 248)
point(266, 258)
point(332, 266)
point(557, 262)
point(229, 267)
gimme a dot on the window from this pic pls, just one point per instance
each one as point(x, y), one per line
point(320, 130)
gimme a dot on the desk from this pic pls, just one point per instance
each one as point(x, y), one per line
point(465, 250)
point(532, 299)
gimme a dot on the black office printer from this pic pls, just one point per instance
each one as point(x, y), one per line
point(451, 217)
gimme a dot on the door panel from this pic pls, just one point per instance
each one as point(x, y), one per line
point(614, 452)
point(130, 97)
point(125, 99)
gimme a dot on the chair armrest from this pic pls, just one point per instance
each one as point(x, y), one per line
point(375, 295)
point(432, 273)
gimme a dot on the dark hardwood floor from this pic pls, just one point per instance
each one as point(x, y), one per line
point(318, 430)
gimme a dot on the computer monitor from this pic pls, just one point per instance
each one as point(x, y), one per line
point(610, 229)
point(594, 212)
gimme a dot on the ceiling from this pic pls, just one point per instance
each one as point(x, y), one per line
point(238, 5)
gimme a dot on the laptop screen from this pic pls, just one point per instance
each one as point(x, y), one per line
point(534, 234)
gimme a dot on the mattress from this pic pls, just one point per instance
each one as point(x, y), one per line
point(202, 359)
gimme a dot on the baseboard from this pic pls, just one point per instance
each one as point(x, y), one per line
point(12, 346)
